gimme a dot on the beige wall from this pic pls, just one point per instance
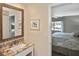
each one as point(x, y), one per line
point(39, 38)
point(17, 5)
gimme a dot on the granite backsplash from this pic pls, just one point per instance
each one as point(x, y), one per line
point(11, 42)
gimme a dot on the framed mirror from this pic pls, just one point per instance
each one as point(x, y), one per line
point(11, 22)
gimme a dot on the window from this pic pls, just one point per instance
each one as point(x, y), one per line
point(57, 26)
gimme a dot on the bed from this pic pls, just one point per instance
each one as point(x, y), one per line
point(66, 44)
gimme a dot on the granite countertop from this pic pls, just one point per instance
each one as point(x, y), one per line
point(15, 49)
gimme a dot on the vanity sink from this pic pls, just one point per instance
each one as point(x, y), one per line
point(18, 48)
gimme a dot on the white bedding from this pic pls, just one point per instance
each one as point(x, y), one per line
point(66, 40)
point(62, 34)
point(70, 44)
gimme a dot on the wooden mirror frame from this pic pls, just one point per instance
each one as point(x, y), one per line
point(1, 30)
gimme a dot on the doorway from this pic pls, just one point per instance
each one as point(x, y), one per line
point(64, 29)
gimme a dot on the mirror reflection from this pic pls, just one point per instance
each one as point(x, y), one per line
point(11, 22)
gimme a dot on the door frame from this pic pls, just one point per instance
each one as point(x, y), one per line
point(49, 30)
point(50, 25)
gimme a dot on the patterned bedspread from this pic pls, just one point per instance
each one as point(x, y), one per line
point(66, 45)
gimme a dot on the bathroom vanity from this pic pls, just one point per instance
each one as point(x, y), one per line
point(22, 48)
point(12, 41)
